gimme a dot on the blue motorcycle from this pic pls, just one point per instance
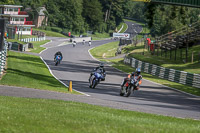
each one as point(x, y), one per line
point(57, 60)
point(95, 79)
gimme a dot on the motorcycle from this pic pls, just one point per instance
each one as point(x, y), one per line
point(57, 60)
point(130, 86)
point(89, 43)
point(74, 43)
point(95, 79)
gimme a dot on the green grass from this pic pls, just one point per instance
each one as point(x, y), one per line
point(118, 63)
point(136, 52)
point(15, 40)
point(124, 28)
point(36, 46)
point(29, 71)
point(108, 50)
point(25, 36)
point(51, 33)
point(22, 115)
point(100, 36)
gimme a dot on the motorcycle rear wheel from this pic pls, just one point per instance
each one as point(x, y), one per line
point(56, 63)
point(129, 90)
point(121, 93)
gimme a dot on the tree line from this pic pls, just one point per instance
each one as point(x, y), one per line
point(104, 15)
point(162, 18)
point(79, 15)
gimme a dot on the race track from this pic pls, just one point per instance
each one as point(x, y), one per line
point(76, 67)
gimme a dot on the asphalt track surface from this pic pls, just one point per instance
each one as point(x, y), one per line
point(76, 67)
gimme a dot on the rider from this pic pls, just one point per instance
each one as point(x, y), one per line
point(58, 53)
point(100, 69)
point(136, 73)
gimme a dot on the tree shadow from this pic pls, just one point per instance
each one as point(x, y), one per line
point(49, 80)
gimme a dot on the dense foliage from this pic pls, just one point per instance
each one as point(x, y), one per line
point(162, 18)
point(78, 15)
point(104, 15)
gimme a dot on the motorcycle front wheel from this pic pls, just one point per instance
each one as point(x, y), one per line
point(56, 63)
point(94, 83)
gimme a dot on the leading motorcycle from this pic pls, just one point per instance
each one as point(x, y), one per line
point(130, 86)
point(57, 60)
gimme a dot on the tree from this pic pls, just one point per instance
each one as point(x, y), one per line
point(93, 16)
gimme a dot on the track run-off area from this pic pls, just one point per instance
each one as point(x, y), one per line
point(77, 65)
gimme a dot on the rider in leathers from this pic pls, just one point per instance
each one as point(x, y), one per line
point(101, 69)
point(136, 73)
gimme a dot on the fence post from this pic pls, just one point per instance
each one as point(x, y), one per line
point(192, 56)
point(199, 57)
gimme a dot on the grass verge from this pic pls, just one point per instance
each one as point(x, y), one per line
point(51, 33)
point(118, 63)
point(36, 46)
point(29, 71)
point(22, 115)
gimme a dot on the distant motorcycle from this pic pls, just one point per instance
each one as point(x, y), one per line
point(57, 60)
point(90, 43)
point(95, 79)
point(130, 86)
point(74, 44)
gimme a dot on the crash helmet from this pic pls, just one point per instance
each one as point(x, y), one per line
point(138, 71)
point(101, 65)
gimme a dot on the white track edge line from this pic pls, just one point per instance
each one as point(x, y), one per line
point(146, 79)
point(60, 80)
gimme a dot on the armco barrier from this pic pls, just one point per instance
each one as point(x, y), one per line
point(3, 54)
point(165, 73)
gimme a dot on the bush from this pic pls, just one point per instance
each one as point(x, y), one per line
point(48, 28)
point(56, 29)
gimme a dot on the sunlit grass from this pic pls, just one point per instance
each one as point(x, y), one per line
point(137, 53)
point(22, 115)
point(29, 71)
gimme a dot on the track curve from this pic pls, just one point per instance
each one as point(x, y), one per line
point(77, 65)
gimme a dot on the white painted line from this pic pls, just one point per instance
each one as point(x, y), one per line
point(60, 80)
point(91, 55)
point(121, 28)
point(43, 47)
point(43, 50)
point(46, 43)
point(126, 28)
point(146, 79)
point(135, 31)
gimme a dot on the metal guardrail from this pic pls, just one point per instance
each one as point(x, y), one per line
point(3, 54)
point(165, 73)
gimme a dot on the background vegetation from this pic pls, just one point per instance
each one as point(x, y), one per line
point(79, 16)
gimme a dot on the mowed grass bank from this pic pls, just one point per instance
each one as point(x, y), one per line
point(29, 71)
point(36, 46)
point(22, 115)
point(109, 49)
